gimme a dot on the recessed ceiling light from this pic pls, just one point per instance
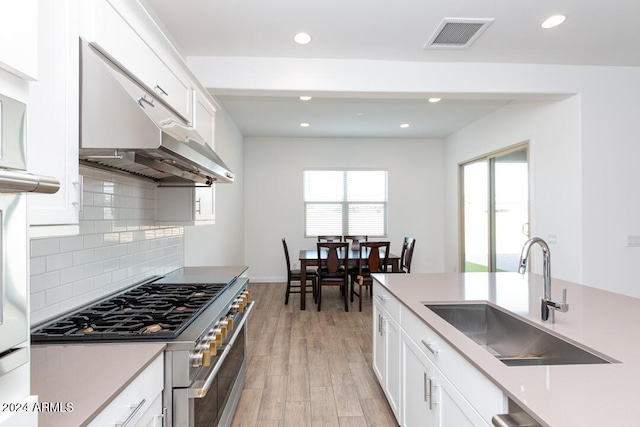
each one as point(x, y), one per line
point(432, 100)
point(360, 113)
point(304, 125)
point(553, 21)
point(302, 38)
point(305, 98)
point(405, 125)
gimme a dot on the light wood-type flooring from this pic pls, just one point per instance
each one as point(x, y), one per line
point(310, 368)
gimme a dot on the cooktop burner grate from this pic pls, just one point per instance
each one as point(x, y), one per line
point(146, 312)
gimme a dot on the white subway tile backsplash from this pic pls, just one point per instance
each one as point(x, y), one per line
point(118, 246)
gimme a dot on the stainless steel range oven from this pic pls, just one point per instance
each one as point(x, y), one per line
point(201, 318)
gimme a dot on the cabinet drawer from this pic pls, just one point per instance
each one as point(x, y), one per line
point(483, 394)
point(136, 399)
point(386, 301)
point(119, 41)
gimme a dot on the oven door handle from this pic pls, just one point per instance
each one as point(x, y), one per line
point(201, 386)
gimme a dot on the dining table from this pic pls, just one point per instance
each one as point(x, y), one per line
point(309, 258)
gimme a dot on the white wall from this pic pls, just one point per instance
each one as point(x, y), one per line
point(602, 200)
point(118, 245)
point(274, 195)
point(553, 132)
point(222, 243)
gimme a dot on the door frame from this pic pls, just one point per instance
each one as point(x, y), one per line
point(491, 194)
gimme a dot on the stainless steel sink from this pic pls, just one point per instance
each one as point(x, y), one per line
point(514, 341)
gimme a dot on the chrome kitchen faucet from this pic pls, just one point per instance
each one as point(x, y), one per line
point(546, 301)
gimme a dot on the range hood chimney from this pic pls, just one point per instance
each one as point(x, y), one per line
point(124, 127)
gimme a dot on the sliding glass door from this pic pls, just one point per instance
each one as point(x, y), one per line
point(495, 210)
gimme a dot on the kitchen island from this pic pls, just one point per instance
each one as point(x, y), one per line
point(554, 395)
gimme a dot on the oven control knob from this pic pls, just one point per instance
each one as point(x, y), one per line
point(248, 291)
point(240, 304)
point(230, 322)
point(223, 327)
point(195, 357)
point(235, 308)
point(218, 334)
point(213, 348)
point(205, 349)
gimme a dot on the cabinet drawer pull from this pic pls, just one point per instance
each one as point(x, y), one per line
point(144, 99)
point(426, 392)
point(135, 408)
point(430, 348)
point(382, 297)
point(159, 89)
point(430, 394)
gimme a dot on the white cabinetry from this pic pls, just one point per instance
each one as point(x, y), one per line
point(140, 403)
point(19, 38)
point(437, 385)
point(418, 403)
point(204, 118)
point(386, 347)
point(115, 33)
point(53, 120)
point(185, 205)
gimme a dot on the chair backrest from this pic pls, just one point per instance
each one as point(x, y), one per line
point(327, 238)
point(356, 240)
point(286, 254)
point(375, 256)
point(331, 257)
point(407, 254)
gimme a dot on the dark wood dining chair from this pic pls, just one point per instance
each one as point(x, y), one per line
point(333, 260)
point(295, 276)
point(327, 238)
point(356, 240)
point(407, 254)
point(374, 258)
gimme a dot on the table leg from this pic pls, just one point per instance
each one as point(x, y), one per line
point(303, 284)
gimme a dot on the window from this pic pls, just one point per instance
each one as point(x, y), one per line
point(342, 202)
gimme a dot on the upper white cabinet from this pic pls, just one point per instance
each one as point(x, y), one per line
point(204, 118)
point(114, 28)
point(185, 205)
point(19, 37)
point(53, 120)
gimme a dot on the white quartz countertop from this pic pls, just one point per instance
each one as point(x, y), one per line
point(87, 376)
point(559, 395)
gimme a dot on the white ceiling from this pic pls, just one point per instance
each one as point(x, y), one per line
point(595, 33)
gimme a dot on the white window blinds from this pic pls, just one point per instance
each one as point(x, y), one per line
point(342, 202)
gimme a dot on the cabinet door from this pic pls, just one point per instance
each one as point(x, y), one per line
point(205, 204)
point(393, 368)
point(418, 374)
point(204, 118)
point(119, 40)
point(378, 345)
point(19, 38)
point(53, 120)
point(453, 408)
point(386, 356)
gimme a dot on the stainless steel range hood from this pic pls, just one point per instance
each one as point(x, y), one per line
point(124, 127)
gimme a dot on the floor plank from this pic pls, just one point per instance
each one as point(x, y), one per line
point(309, 368)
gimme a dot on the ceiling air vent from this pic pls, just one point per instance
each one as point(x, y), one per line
point(457, 33)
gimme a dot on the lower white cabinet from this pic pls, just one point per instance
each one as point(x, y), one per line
point(386, 355)
point(140, 403)
point(427, 382)
point(428, 397)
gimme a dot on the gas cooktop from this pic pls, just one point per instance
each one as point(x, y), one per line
point(160, 309)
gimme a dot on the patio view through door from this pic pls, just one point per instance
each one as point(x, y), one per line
point(495, 210)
